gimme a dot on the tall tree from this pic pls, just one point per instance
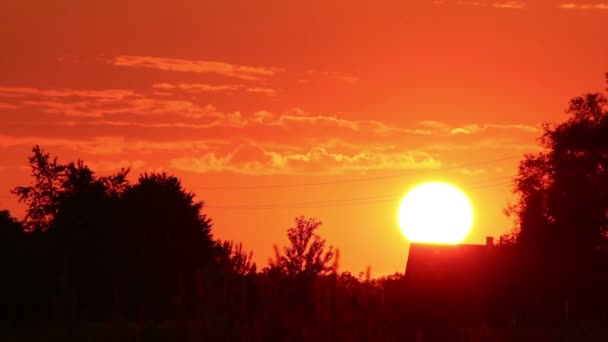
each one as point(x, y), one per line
point(55, 182)
point(165, 237)
point(563, 190)
point(561, 214)
point(306, 255)
point(73, 215)
point(239, 261)
point(42, 198)
point(85, 231)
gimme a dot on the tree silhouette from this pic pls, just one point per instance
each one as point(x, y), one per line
point(41, 198)
point(164, 237)
point(54, 182)
point(563, 190)
point(85, 232)
point(562, 210)
point(238, 260)
point(306, 255)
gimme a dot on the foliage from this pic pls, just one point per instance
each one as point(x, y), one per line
point(563, 190)
point(238, 260)
point(53, 181)
point(42, 197)
point(306, 255)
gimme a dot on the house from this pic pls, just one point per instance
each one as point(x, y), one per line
point(455, 281)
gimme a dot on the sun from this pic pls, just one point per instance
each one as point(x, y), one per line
point(435, 213)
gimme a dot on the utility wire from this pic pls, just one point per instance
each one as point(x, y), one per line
point(337, 202)
point(352, 201)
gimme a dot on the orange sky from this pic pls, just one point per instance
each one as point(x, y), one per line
point(269, 110)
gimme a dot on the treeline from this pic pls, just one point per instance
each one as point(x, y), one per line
point(100, 249)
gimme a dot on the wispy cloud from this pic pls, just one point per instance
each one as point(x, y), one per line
point(585, 6)
point(299, 117)
point(509, 4)
point(168, 88)
point(441, 127)
point(296, 119)
point(258, 142)
point(486, 3)
point(475, 128)
point(245, 72)
point(255, 160)
point(197, 87)
point(261, 90)
point(106, 94)
point(113, 102)
point(112, 145)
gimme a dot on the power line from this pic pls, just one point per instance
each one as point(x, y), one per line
point(336, 202)
point(344, 181)
point(500, 181)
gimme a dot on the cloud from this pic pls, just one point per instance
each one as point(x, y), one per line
point(298, 117)
point(253, 159)
point(166, 88)
point(260, 90)
point(115, 94)
point(113, 145)
point(197, 87)
point(433, 124)
point(475, 128)
point(228, 121)
point(586, 6)
point(259, 142)
point(103, 104)
point(114, 102)
point(243, 72)
point(509, 4)
point(490, 4)
point(443, 128)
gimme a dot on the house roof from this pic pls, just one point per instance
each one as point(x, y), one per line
point(462, 264)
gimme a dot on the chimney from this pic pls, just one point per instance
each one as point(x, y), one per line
point(489, 241)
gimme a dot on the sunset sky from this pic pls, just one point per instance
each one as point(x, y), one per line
point(272, 109)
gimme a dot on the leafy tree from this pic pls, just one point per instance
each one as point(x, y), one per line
point(73, 215)
point(563, 190)
point(85, 231)
point(561, 213)
point(41, 198)
point(54, 182)
point(164, 237)
point(306, 255)
point(238, 260)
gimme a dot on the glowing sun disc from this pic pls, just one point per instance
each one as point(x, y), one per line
point(435, 213)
